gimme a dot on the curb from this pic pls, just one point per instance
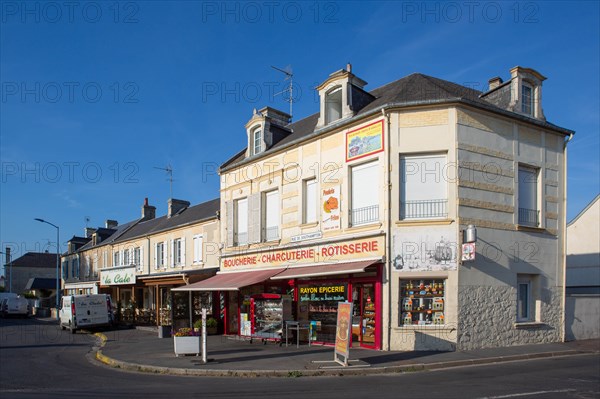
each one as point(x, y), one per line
point(119, 364)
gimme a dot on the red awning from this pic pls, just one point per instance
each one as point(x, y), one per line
point(325, 270)
point(231, 281)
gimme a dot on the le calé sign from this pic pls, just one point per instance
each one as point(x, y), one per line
point(117, 276)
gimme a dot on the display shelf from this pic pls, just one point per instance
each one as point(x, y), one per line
point(422, 302)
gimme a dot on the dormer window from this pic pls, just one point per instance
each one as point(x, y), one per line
point(526, 99)
point(333, 105)
point(257, 141)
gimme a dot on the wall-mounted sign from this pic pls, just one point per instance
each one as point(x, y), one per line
point(468, 252)
point(364, 141)
point(330, 215)
point(425, 249)
point(343, 251)
point(117, 276)
point(307, 236)
point(317, 293)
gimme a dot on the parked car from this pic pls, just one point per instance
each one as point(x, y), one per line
point(18, 306)
point(80, 311)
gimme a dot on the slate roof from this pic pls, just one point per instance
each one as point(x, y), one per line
point(36, 259)
point(412, 90)
point(193, 214)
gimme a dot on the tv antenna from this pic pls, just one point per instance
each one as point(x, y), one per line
point(289, 75)
point(87, 221)
point(169, 171)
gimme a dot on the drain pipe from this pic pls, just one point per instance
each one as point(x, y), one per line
point(388, 250)
point(564, 241)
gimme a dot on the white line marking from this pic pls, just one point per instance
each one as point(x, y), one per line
point(516, 395)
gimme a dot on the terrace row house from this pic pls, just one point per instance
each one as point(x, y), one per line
point(367, 201)
point(139, 262)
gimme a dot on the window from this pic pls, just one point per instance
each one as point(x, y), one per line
point(422, 302)
point(126, 258)
point(160, 255)
point(177, 252)
point(527, 99)
point(241, 222)
point(333, 105)
point(76, 267)
point(116, 259)
point(198, 249)
point(271, 216)
point(364, 194)
point(523, 300)
point(423, 187)
point(257, 141)
point(310, 201)
point(65, 269)
point(529, 215)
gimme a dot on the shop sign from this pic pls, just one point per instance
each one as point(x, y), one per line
point(468, 252)
point(330, 215)
point(346, 251)
point(343, 333)
point(364, 141)
point(333, 292)
point(123, 276)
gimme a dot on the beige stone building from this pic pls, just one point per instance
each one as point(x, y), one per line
point(366, 201)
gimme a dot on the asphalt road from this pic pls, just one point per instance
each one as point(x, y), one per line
point(39, 360)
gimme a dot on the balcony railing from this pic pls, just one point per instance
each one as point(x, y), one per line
point(529, 217)
point(365, 215)
point(424, 209)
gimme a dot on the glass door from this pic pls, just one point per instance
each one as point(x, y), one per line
point(365, 316)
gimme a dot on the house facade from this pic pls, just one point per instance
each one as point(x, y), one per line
point(367, 201)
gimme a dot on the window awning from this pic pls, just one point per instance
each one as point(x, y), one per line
point(231, 281)
point(325, 270)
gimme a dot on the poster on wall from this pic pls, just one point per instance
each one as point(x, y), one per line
point(425, 249)
point(330, 198)
point(364, 141)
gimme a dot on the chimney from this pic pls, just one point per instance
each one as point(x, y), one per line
point(176, 206)
point(111, 224)
point(349, 67)
point(495, 82)
point(88, 231)
point(148, 211)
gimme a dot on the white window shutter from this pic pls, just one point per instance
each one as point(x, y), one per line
point(166, 253)
point(254, 218)
point(141, 258)
point(199, 240)
point(183, 251)
point(155, 256)
point(229, 226)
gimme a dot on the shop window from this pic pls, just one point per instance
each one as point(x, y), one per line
point(529, 214)
point(364, 194)
point(318, 303)
point(198, 249)
point(422, 302)
point(241, 222)
point(333, 105)
point(423, 187)
point(310, 201)
point(271, 216)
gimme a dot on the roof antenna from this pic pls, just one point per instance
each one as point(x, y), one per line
point(289, 75)
point(169, 171)
point(87, 221)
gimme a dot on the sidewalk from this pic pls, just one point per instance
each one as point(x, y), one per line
point(142, 350)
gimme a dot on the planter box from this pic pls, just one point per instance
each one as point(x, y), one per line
point(164, 331)
point(187, 345)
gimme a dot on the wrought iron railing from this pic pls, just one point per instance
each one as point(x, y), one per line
point(529, 217)
point(437, 208)
point(367, 214)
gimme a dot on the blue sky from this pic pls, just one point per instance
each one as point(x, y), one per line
point(96, 95)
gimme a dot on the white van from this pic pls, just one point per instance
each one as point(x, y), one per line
point(17, 306)
point(80, 311)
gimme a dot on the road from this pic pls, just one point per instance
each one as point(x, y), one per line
point(39, 360)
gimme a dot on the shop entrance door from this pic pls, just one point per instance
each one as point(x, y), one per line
point(365, 316)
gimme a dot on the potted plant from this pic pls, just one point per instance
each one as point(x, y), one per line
point(211, 326)
point(186, 342)
point(164, 331)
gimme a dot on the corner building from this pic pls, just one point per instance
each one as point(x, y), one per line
point(367, 200)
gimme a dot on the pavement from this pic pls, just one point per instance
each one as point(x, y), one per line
point(141, 350)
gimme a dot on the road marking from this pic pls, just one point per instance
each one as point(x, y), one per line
point(516, 395)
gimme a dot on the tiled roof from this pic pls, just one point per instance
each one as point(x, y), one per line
point(36, 259)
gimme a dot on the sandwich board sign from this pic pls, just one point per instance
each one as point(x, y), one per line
point(343, 333)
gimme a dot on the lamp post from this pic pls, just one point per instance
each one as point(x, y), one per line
point(9, 262)
point(57, 261)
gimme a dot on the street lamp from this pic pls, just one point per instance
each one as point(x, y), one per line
point(57, 261)
point(9, 262)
